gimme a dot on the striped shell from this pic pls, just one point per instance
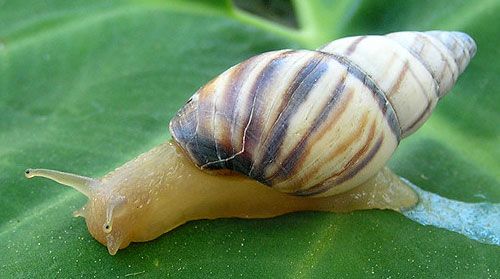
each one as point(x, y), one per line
point(321, 122)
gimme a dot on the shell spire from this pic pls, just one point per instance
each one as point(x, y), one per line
point(444, 54)
point(414, 69)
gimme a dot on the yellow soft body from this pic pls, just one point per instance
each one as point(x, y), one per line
point(161, 190)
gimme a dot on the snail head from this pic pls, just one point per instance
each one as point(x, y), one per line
point(106, 214)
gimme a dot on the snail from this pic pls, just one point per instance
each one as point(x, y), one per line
point(283, 131)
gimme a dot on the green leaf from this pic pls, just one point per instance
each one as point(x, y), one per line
point(87, 85)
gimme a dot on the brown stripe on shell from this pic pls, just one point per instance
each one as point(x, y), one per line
point(419, 82)
point(360, 152)
point(353, 166)
point(342, 147)
point(240, 161)
point(253, 128)
point(420, 117)
point(350, 50)
point(429, 101)
point(228, 101)
point(418, 56)
point(406, 68)
point(437, 79)
point(384, 104)
point(395, 87)
point(183, 128)
point(322, 188)
point(293, 159)
point(200, 150)
point(273, 70)
point(425, 37)
point(428, 106)
point(205, 143)
point(294, 96)
point(351, 172)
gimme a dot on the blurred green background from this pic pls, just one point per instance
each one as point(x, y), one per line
point(86, 85)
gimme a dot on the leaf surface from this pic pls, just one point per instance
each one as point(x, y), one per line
point(87, 85)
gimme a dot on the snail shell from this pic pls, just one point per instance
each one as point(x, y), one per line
point(320, 122)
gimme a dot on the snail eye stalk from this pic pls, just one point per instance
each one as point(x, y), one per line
point(80, 183)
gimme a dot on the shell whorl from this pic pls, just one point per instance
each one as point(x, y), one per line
point(414, 69)
point(319, 122)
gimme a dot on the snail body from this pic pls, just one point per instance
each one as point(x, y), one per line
point(283, 131)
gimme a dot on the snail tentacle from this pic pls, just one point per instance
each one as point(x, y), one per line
point(80, 183)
